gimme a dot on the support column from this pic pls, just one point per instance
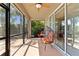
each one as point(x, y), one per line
point(65, 42)
point(7, 43)
point(23, 29)
point(29, 29)
point(73, 36)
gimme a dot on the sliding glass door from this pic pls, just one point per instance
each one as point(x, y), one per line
point(73, 29)
point(60, 25)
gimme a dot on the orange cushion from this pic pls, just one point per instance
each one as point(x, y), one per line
point(45, 40)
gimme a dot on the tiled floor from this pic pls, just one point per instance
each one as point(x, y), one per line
point(48, 50)
point(33, 47)
point(2, 46)
point(28, 49)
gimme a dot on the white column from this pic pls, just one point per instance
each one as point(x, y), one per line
point(65, 42)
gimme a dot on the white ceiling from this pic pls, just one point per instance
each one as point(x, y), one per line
point(32, 11)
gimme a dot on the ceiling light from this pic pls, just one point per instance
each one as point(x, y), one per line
point(38, 5)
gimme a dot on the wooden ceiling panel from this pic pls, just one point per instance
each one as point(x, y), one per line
point(43, 12)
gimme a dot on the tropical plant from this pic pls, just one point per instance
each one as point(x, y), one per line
point(37, 26)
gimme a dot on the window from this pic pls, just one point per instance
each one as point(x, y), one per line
point(73, 29)
point(2, 22)
point(26, 28)
point(52, 23)
point(59, 19)
point(16, 29)
point(26, 23)
point(2, 30)
point(16, 21)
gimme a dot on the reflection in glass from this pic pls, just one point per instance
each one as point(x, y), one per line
point(59, 19)
point(70, 31)
point(73, 29)
point(26, 28)
point(52, 23)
